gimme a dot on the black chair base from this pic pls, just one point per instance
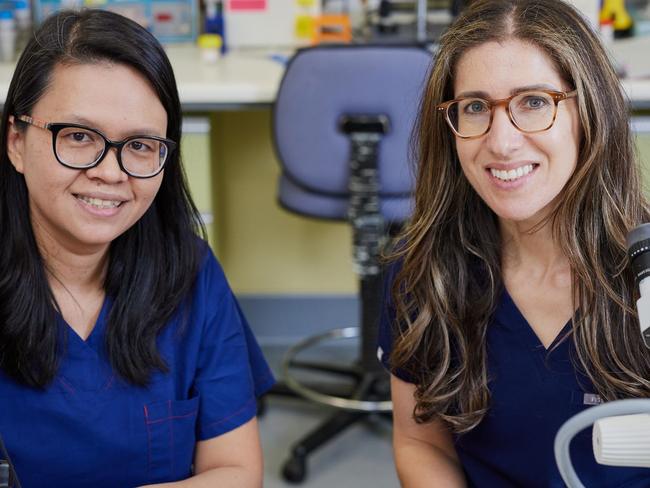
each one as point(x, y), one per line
point(370, 387)
point(365, 393)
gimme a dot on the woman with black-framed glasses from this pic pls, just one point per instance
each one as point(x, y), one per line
point(79, 147)
point(510, 300)
point(124, 357)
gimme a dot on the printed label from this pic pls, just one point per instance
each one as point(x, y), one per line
point(592, 399)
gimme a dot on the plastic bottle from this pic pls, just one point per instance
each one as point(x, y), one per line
point(615, 10)
point(214, 21)
point(607, 31)
point(210, 47)
point(7, 36)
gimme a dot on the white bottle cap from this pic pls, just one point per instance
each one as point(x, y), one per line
point(622, 440)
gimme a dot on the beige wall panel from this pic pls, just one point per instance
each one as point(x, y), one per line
point(263, 248)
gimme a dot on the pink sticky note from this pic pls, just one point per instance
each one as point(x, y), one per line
point(247, 5)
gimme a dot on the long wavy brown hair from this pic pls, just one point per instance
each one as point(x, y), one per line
point(450, 278)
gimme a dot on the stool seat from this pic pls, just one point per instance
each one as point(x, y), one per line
point(298, 200)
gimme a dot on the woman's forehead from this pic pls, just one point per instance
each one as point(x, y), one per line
point(108, 95)
point(499, 68)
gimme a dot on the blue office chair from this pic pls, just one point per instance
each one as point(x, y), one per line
point(342, 124)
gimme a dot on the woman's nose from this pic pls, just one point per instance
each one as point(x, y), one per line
point(503, 137)
point(108, 168)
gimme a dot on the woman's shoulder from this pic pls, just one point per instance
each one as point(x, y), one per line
point(210, 296)
point(210, 272)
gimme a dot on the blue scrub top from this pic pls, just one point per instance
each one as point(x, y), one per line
point(534, 390)
point(90, 428)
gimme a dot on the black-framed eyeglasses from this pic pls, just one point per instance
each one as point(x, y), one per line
point(79, 147)
point(529, 111)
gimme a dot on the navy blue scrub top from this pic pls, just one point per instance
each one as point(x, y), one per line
point(533, 392)
point(90, 428)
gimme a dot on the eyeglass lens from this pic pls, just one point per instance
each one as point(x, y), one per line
point(530, 111)
point(78, 147)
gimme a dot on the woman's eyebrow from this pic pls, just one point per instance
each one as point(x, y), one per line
point(539, 86)
point(514, 91)
point(142, 131)
point(473, 94)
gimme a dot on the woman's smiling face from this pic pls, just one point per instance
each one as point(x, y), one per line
point(85, 210)
point(518, 175)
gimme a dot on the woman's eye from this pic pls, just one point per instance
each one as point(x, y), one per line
point(534, 102)
point(140, 146)
point(475, 107)
point(80, 137)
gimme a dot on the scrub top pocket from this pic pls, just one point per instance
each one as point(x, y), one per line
point(171, 438)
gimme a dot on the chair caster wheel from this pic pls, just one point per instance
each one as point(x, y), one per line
point(295, 470)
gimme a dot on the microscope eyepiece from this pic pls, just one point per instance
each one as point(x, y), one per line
point(638, 249)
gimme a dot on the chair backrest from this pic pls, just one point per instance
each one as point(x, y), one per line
point(321, 85)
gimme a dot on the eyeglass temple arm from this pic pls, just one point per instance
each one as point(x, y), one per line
point(33, 121)
point(570, 94)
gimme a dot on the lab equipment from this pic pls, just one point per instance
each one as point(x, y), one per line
point(638, 244)
point(640, 12)
point(391, 21)
point(610, 446)
point(171, 21)
point(616, 11)
point(607, 32)
point(332, 28)
point(623, 441)
point(621, 433)
point(8, 478)
point(210, 47)
point(214, 22)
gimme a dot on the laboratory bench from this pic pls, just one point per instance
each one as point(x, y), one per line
point(232, 170)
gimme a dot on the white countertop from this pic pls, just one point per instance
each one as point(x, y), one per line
point(237, 79)
point(249, 78)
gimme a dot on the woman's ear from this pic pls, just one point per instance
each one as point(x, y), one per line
point(15, 144)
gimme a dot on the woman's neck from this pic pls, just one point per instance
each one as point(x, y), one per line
point(77, 270)
point(535, 251)
point(76, 278)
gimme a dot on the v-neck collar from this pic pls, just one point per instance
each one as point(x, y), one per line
point(509, 316)
point(84, 366)
point(95, 338)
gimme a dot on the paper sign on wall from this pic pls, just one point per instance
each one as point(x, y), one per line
point(247, 5)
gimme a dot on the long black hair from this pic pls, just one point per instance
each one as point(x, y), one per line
point(151, 266)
